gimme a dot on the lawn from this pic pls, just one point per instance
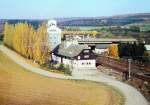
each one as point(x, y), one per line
point(21, 87)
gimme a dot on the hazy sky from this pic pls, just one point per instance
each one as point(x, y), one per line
point(39, 9)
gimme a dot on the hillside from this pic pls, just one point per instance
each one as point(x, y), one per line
point(21, 87)
point(108, 21)
point(118, 20)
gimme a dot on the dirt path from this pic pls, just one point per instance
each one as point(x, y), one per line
point(133, 97)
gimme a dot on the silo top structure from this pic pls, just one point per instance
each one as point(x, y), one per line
point(53, 33)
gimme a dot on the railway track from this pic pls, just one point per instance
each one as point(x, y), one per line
point(137, 71)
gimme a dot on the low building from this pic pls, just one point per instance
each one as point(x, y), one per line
point(147, 52)
point(102, 49)
point(94, 41)
point(74, 55)
point(147, 48)
point(76, 36)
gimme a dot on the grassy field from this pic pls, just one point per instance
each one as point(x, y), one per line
point(86, 27)
point(21, 87)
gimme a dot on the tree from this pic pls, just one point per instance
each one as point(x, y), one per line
point(41, 47)
point(8, 34)
point(135, 28)
point(27, 41)
point(113, 50)
point(32, 40)
point(134, 51)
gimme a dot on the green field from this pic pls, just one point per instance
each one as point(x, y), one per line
point(21, 87)
point(143, 26)
point(86, 27)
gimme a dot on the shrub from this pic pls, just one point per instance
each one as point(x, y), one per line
point(1, 37)
point(48, 66)
point(67, 70)
point(61, 67)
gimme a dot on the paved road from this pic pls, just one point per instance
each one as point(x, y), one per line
point(133, 97)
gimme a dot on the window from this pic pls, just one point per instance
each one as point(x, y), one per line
point(88, 63)
point(78, 57)
point(86, 56)
point(86, 51)
point(55, 42)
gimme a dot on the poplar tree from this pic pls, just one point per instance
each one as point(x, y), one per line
point(27, 41)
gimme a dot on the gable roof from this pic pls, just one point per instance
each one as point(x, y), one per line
point(102, 46)
point(70, 51)
point(147, 47)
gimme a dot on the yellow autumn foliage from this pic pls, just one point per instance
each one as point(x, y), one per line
point(27, 41)
point(113, 50)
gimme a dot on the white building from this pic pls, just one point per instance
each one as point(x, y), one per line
point(147, 47)
point(102, 49)
point(75, 55)
point(69, 53)
point(53, 34)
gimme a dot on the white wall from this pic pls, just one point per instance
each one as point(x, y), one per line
point(100, 51)
point(56, 58)
point(82, 64)
point(67, 61)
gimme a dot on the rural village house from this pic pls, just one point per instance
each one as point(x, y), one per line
point(74, 55)
point(70, 52)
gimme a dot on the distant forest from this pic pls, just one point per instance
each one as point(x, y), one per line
point(34, 23)
point(108, 21)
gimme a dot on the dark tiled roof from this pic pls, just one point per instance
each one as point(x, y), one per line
point(70, 51)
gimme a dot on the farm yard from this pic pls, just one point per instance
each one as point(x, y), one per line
point(21, 87)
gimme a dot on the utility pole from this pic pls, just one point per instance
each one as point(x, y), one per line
point(129, 68)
